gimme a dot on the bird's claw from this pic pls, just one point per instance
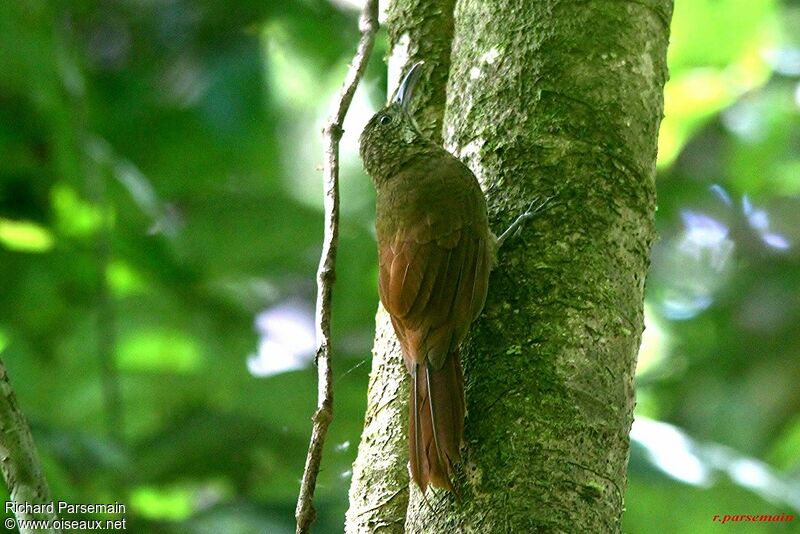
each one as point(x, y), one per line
point(535, 207)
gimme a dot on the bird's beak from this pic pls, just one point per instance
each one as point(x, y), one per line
point(406, 89)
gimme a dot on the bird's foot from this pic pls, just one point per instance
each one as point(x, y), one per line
point(535, 207)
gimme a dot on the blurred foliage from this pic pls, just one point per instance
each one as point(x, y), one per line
point(160, 208)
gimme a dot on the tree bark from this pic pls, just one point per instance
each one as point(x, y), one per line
point(422, 30)
point(560, 99)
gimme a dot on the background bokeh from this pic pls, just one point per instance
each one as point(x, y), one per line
point(161, 221)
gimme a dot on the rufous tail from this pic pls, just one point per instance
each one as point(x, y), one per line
point(436, 422)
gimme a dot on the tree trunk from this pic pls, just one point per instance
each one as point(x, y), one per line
point(544, 99)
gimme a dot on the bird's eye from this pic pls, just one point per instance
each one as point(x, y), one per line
point(385, 119)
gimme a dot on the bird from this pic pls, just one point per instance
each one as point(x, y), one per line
point(435, 253)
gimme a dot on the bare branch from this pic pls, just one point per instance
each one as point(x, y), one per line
point(326, 274)
point(27, 486)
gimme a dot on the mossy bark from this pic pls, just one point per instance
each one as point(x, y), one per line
point(422, 30)
point(379, 488)
point(548, 99)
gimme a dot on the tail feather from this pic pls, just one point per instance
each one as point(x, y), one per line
point(436, 422)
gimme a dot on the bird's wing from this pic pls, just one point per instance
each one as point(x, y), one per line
point(433, 284)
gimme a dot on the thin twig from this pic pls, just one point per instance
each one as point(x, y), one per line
point(27, 487)
point(104, 303)
point(326, 274)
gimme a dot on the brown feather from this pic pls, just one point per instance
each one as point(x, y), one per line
point(436, 422)
point(430, 274)
point(435, 256)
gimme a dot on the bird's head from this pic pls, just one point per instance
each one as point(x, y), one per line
point(390, 136)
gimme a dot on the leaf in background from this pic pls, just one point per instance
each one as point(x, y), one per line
point(718, 52)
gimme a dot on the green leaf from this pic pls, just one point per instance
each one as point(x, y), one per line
point(25, 236)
